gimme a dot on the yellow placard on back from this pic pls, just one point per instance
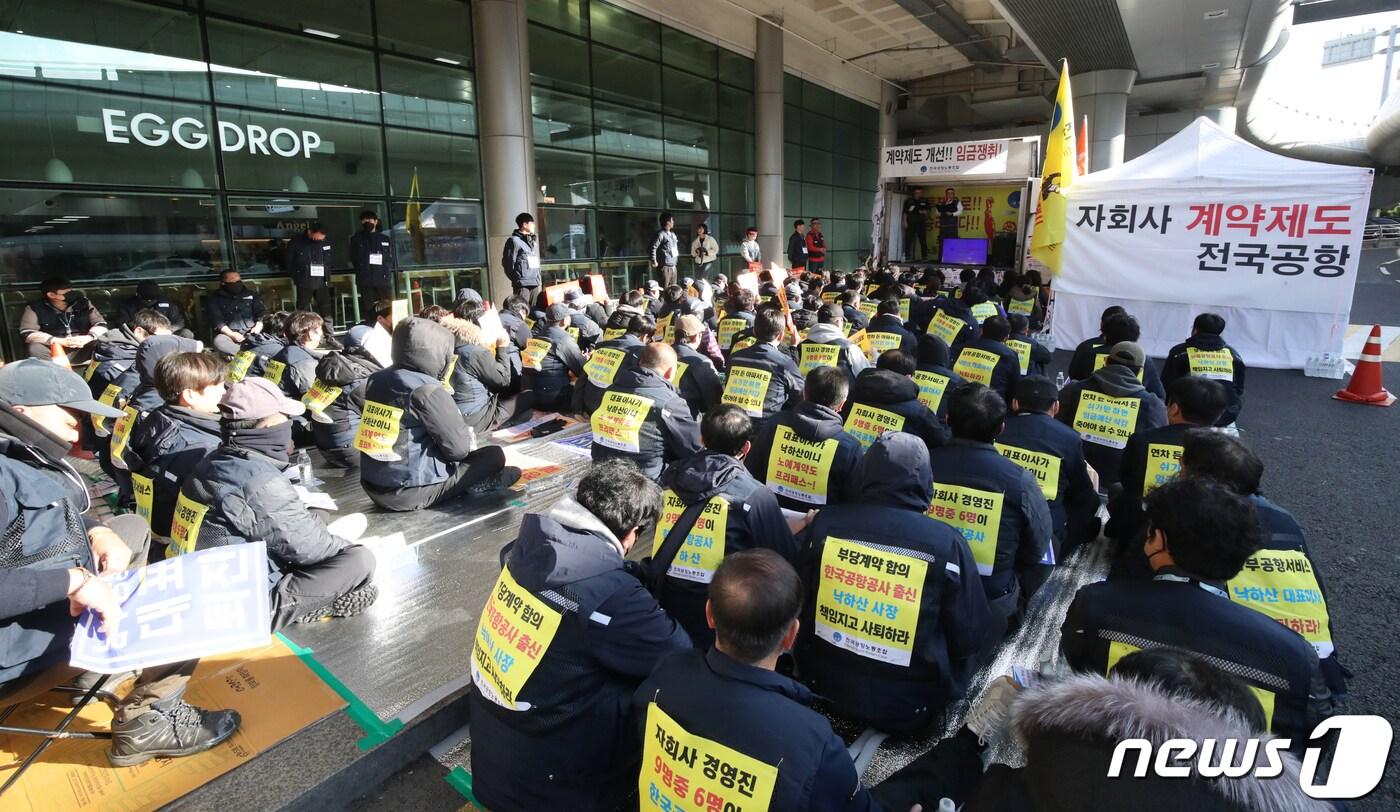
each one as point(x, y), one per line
point(603, 365)
point(867, 423)
point(447, 376)
point(800, 469)
point(881, 343)
point(379, 431)
point(681, 368)
point(682, 772)
point(904, 309)
point(1163, 465)
point(1023, 353)
point(703, 549)
point(812, 355)
point(747, 388)
point(1046, 467)
point(830, 296)
point(868, 599)
point(1101, 360)
point(184, 525)
point(976, 366)
point(617, 422)
point(664, 331)
point(728, 329)
point(121, 435)
point(107, 398)
point(91, 370)
point(533, 355)
point(1217, 365)
point(143, 488)
point(573, 333)
point(273, 371)
point(984, 310)
point(931, 388)
point(610, 333)
point(1283, 585)
point(512, 638)
point(1021, 307)
point(745, 343)
point(869, 308)
point(973, 512)
point(1117, 651)
point(861, 339)
point(946, 327)
point(398, 311)
point(238, 367)
point(1104, 419)
point(318, 397)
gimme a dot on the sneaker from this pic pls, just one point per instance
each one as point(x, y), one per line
point(348, 605)
point(112, 691)
point(171, 728)
point(507, 477)
point(992, 711)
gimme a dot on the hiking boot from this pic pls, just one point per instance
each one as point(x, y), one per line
point(507, 477)
point(171, 728)
point(112, 691)
point(348, 605)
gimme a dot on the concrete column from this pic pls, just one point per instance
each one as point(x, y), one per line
point(1102, 95)
point(768, 138)
point(507, 139)
point(889, 133)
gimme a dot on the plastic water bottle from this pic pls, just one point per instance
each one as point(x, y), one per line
point(304, 468)
point(471, 432)
point(947, 805)
point(1060, 381)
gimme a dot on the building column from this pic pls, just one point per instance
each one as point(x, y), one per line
point(768, 138)
point(502, 57)
point(889, 134)
point(1102, 95)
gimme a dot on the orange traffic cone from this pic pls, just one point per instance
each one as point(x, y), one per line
point(1365, 385)
point(58, 356)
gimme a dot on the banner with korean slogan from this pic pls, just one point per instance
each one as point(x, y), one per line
point(321, 395)
point(1105, 419)
point(1208, 222)
point(799, 468)
point(703, 549)
point(1045, 467)
point(617, 422)
point(512, 637)
point(1218, 365)
point(683, 772)
point(379, 431)
point(812, 355)
point(747, 388)
point(973, 512)
point(1163, 465)
point(238, 367)
point(1282, 585)
point(946, 327)
point(867, 423)
point(603, 365)
point(535, 350)
point(931, 388)
point(976, 366)
point(868, 599)
point(198, 605)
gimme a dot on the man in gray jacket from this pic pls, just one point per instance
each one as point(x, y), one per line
point(665, 250)
point(521, 258)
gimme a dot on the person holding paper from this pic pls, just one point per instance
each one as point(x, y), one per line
point(51, 558)
point(310, 268)
point(372, 255)
point(481, 376)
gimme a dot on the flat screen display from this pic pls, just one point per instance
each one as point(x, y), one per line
point(964, 251)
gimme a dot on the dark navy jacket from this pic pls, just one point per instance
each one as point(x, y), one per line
point(890, 323)
point(952, 612)
point(567, 742)
point(362, 244)
point(754, 520)
point(697, 382)
point(479, 377)
point(1119, 382)
point(820, 430)
point(338, 422)
point(1179, 364)
point(892, 392)
point(668, 432)
point(304, 252)
point(784, 384)
point(762, 715)
point(239, 311)
point(1125, 516)
point(1076, 503)
point(1005, 373)
point(165, 446)
point(551, 381)
point(1040, 358)
point(631, 348)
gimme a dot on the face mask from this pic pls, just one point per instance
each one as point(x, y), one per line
point(233, 287)
point(368, 225)
point(272, 441)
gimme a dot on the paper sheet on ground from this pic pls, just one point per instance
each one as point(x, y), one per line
point(519, 432)
point(315, 499)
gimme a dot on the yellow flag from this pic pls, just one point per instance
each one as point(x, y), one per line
point(1056, 175)
point(414, 216)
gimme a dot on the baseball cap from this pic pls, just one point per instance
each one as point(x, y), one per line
point(36, 382)
point(468, 295)
point(689, 325)
point(1035, 389)
point(1127, 352)
point(557, 312)
point(256, 398)
point(652, 284)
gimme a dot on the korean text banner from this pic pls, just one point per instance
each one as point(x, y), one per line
point(958, 158)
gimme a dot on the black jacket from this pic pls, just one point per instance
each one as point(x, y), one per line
point(816, 461)
point(895, 402)
point(607, 360)
point(165, 447)
point(1106, 434)
point(756, 712)
point(294, 369)
point(363, 246)
point(1151, 458)
point(1210, 357)
point(309, 262)
point(1034, 358)
point(762, 380)
point(1149, 376)
point(479, 377)
point(990, 363)
point(644, 419)
point(516, 257)
point(113, 356)
point(797, 250)
point(549, 358)
point(238, 311)
point(697, 380)
point(892, 325)
point(256, 350)
point(338, 421)
point(1054, 454)
point(1081, 364)
point(895, 612)
point(565, 742)
point(740, 514)
point(162, 305)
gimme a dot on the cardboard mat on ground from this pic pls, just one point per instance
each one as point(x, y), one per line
point(274, 691)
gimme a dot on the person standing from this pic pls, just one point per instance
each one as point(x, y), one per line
point(797, 246)
point(915, 220)
point(816, 247)
point(749, 249)
point(949, 210)
point(704, 250)
point(60, 317)
point(665, 250)
point(521, 259)
point(310, 257)
point(372, 255)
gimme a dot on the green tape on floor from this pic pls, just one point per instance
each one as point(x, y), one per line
point(461, 780)
point(376, 730)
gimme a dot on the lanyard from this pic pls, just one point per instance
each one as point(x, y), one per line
point(1181, 579)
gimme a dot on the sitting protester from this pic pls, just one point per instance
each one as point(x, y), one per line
point(1033, 357)
point(551, 359)
point(934, 375)
point(145, 398)
point(60, 317)
point(886, 398)
point(1200, 537)
point(730, 701)
point(552, 732)
point(234, 313)
point(1109, 408)
point(1082, 364)
point(696, 378)
point(988, 360)
point(643, 418)
point(763, 379)
point(826, 346)
point(804, 454)
point(614, 355)
point(259, 347)
point(712, 508)
point(738, 318)
point(416, 449)
point(294, 367)
point(1206, 355)
point(112, 377)
point(480, 376)
point(240, 493)
point(888, 332)
point(336, 400)
point(907, 645)
point(1117, 329)
point(149, 296)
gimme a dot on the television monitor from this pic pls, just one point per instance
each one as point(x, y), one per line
point(964, 251)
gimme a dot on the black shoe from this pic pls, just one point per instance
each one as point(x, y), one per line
point(348, 605)
point(169, 729)
point(507, 477)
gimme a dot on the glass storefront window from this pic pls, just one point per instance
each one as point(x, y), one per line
point(438, 233)
point(561, 120)
point(735, 151)
point(566, 15)
point(681, 50)
point(129, 47)
point(816, 98)
point(845, 203)
point(625, 233)
point(444, 165)
point(627, 184)
point(736, 192)
point(690, 143)
point(62, 135)
point(816, 130)
point(625, 78)
point(792, 161)
point(428, 97)
point(622, 29)
point(435, 29)
point(792, 199)
point(564, 178)
point(255, 67)
point(628, 132)
point(792, 124)
point(689, 95)
point(816, 166)
point(688, 190)
point(305, 156)
point(735, 108)
point(347, 20)
point(816, 201)
point(845, 171)
point(735, 69)
point(558, 60)
point(566, 234)
point(845, 138)
point(262, 226)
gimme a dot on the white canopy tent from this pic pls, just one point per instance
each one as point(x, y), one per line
point(1209, 222)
